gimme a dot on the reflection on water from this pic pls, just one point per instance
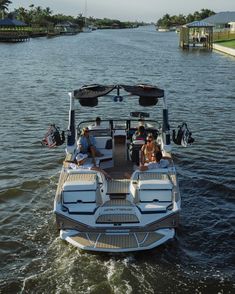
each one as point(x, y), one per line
point(35, 78)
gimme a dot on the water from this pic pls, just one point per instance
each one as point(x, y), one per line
point(35, 77)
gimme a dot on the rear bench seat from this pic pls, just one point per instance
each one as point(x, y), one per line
point(80, 196)
point(155, 195)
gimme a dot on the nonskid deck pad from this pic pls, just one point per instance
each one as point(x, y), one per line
point(117, 202)
point(118, 242)
point(118, 186)
point(117, 218)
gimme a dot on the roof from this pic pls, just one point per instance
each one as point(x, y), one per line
point(148, 95)
point(221, 17)
point(8, 22)
point(198, 24)
point(95, 91)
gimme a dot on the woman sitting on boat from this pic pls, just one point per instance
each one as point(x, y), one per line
point(86, 144)
point(149, 150)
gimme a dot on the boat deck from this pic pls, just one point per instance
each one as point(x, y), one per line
point(112, 242)
point(118, 187)
point(123, 168)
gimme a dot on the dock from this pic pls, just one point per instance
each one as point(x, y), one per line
point(13, 30)
point(14, 36)
point(196, 34)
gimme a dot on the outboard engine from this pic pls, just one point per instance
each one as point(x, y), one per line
point(183, 137)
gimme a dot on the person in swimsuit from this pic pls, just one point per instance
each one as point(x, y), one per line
point(149, 150)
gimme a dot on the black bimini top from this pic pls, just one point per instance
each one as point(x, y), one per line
point(148, 94)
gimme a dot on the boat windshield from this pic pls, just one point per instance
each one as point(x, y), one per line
point(108, 126)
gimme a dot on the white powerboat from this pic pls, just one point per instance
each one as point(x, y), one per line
point(135, 210)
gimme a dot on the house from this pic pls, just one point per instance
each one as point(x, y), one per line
point(11, 23)
point(232, 26)
point(221, 21)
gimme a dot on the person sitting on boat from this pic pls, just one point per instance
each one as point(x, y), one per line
point(142, 122)
point(158, 163)
point(97, 124)
point(140, 134)
point(149, 150)
point(80, 163)
point(86, 144)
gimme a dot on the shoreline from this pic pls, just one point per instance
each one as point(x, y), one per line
point(224, 49)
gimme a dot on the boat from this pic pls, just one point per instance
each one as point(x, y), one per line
point(164, 29)
point(134, 210)
point(86, 28)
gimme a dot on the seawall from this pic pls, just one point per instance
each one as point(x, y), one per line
point(224, 49)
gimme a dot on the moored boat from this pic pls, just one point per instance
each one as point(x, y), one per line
point(134, 210)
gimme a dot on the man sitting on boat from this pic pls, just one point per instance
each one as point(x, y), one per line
point(97, 124)
point(86, 144)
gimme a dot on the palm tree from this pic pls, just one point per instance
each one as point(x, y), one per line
point(4, 6)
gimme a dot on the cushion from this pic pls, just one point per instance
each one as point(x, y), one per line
point(79, 196)
point(80, 185)
point(154, 184)
point(101, 142)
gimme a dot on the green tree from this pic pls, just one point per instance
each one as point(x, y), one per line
point(168, 21)
point(189, 18)
point(23, 15)
point(4, 7)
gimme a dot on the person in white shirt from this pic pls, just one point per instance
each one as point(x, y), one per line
point(80, 163)
point(159, 163)
point(97, 124)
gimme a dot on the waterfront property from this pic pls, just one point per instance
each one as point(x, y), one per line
point(13, 30)
point(223, 25)
point(196, 34)
point(222, 21)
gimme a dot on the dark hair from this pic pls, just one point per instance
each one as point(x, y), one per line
point(141, 129)
point(98, 120)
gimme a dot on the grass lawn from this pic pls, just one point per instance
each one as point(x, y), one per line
point(229, 44)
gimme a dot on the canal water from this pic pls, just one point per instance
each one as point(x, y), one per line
point(35, 78)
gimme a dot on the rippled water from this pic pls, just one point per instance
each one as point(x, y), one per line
point(35, 77)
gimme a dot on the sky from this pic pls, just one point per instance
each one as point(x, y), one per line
point(127, 10)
